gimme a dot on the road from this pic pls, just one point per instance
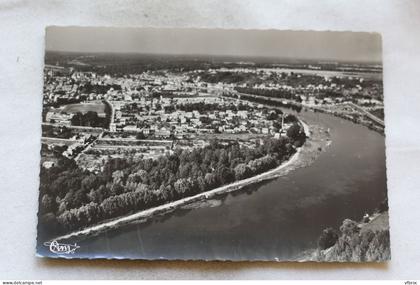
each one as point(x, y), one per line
point(111, 121)
point(368, 114)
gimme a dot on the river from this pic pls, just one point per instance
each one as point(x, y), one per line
point(275, 220)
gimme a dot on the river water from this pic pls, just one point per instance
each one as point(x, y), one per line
point(275, 220)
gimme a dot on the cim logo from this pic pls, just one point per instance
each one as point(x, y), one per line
point(61, 248)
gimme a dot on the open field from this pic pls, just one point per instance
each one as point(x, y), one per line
point(98, 107)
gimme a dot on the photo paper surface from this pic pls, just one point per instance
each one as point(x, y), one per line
point(213, 144)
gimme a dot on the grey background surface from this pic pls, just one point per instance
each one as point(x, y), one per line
point(22, 30)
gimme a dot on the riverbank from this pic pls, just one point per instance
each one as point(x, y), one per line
point(317, 141)
point(374, 123)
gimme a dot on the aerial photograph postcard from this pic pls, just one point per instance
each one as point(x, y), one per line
point(212, 144)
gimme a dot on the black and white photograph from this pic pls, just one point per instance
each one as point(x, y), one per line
point(213, 144)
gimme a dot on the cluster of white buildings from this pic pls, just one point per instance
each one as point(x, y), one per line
point(148, 117)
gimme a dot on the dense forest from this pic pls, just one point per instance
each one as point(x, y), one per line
point(71, 198)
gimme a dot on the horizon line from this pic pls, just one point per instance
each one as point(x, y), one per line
point(218, 55)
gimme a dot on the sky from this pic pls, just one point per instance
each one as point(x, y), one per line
point(341, 46)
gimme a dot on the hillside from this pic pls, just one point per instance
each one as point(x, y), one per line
point(364, 241)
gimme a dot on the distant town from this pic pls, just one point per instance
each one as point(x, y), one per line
point(90, 115)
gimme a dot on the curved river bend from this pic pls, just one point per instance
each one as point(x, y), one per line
point(275, 220)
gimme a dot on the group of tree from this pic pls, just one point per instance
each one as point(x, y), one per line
point(269, 101)
point(88, 88)
point(91, 119)
point(64, 101)
point(72, 198)
point(229, 77)
point(357, 241)
point(296, 133)
point(88, 119)
point(61, 132)
point(353, 244)
point(272, 93)
point(208, 107)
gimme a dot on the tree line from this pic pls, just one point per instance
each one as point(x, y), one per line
point(209, 107)
point(88, 88)
point(273, 93)
point(72, 198)
point(229, 77)
point(268, 101)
